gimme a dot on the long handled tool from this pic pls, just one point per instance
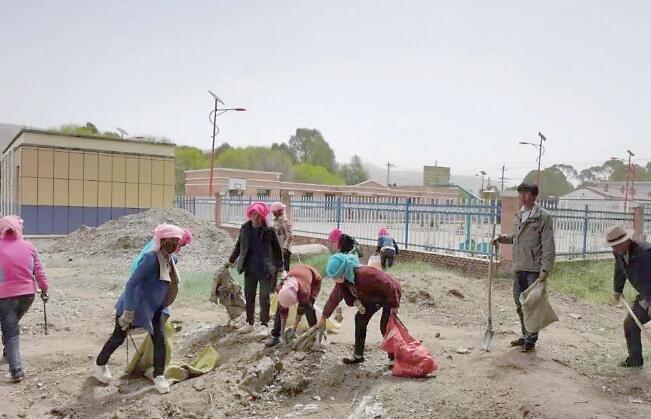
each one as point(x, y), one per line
point(488, 334)
point(637, 321)
point(45, 315)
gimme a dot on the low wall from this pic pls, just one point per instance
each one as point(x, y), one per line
point(469, 266)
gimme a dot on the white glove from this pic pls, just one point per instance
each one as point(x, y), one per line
point(126, 319)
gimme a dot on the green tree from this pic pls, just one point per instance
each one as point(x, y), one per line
point(309, 146)
point(554, 182)
point(309, 173)
point(353, 172)
point(188, 158)
point(255, 158)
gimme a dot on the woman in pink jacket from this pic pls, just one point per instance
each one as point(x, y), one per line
point(20, 271)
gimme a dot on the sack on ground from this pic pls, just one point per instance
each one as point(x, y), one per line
point(412, 359)
point(537, 311)
point(227, 292)
point(375, 261)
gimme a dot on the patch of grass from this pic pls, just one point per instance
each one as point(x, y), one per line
point(413, 267)
point(587, 280)
point(318, 262)
point(195, 287)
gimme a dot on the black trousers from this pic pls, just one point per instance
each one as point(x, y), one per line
point(287, 255)
point(308, 310)
point(251, 282)
point(119, 335)
point(361, 324)
point(632, 331)
point(387, 257)
point(521, 281)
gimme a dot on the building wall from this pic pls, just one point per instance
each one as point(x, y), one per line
point(59, 187)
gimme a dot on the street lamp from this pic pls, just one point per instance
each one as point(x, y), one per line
point(541, 151)
point(215, 130)
point(482, 173)
point(122, 132)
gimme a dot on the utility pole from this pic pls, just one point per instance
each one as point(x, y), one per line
point(502, 178)
point(628, 180)
point(389, 166)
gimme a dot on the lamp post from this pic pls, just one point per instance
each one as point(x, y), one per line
point(630, 178)
point(541, 151)
point(482, 174)
point(215, 130)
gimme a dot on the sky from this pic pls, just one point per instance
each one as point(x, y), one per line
point(412, 83)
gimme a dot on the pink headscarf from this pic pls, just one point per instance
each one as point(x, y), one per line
point(278, 206)
point(259, 208)
point(187, 237)
point(166, 231)
point(383, 232)
point(335, 235)
point(288, 294)
point(11, 223)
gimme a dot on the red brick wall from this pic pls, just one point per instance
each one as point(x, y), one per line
point(469, 266)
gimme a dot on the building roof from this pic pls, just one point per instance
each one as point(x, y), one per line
point(371, 184)
point(7, 134)
point(24, 130)
point(613, 191)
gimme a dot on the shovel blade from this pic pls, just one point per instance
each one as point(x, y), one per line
point(486, 341)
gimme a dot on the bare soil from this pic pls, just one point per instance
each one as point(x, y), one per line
point(572, 374)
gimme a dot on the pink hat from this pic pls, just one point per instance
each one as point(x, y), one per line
point(166, 231)
point(187, 237)
point(278, 206)
point(11, 223)
point(383, 232)
point(288, 294)
point(335, 235)
point(259, 208)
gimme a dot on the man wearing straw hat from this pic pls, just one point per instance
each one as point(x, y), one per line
point(632, 262)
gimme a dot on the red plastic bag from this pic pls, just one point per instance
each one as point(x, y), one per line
point(412, 359)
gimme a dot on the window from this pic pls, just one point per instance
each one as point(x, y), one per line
point(263, 193)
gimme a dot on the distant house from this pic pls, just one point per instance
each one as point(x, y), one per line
point(608, 195)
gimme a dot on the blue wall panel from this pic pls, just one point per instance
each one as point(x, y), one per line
point(29, 214)
point(75, 218)
point(45, 219)
point(116, 213)
point(103, 215)
point(90, 216)
point(60, 223)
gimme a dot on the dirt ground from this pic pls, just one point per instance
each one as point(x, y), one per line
point(572, 374)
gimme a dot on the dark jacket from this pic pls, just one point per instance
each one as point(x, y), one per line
point(274, 257)
point(348, 244)
point(386, 242)
point(372, 286)
point(637, 271)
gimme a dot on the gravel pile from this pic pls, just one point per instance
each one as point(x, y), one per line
point(123, 238)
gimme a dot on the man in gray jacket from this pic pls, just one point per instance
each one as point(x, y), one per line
point(533, 252)
point(632, 262)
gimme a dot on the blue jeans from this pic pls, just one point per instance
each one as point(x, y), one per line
point(521, 281)
point(11, 311)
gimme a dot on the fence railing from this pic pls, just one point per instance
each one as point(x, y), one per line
point(459, 229)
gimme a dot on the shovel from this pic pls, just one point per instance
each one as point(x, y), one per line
point(488, 334)
point(637, 321)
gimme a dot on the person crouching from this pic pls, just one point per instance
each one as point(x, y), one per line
point(152, 287)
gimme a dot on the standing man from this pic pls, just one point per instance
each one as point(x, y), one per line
point(533, 252)
point(283, 228)
point(259, 257)
point(632, 262)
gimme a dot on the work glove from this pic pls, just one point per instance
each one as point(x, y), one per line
point(395, 311)
point(360, 307)
point(44, 296)
point(227, 264)
point(126, 319)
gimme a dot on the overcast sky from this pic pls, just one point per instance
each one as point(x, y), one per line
point(411, 82)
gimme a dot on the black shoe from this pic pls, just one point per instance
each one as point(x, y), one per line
point(528, 347)
point(628, 363)
point(16, 376)
point(353, 360)
point(518, 342)
point(273, 341)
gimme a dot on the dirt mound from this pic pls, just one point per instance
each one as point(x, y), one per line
point(123, 238)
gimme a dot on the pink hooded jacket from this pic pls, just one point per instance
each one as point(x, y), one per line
point(20, 268)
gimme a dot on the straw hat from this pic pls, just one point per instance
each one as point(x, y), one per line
point(617, 235)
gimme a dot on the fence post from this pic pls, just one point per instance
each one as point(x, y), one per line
point(407, 204)
point(510, 206)
point(585, 230)
point(638, 223)
point(218, 209)
point(468, 228)
point(194, 206)
point(338, 220)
